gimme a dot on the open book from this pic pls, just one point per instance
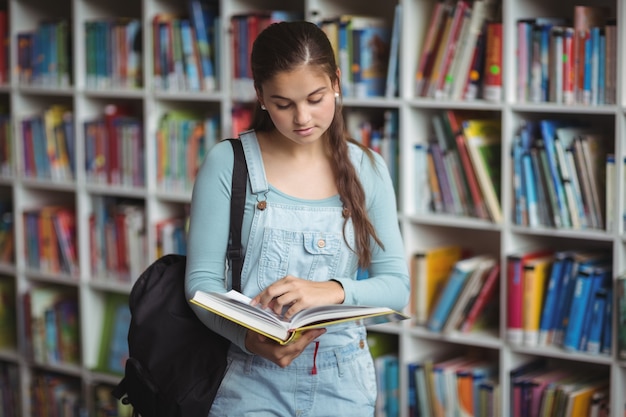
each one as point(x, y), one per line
point(236, 307)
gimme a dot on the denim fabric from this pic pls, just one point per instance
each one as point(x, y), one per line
point(310, 243)
point(344, 384)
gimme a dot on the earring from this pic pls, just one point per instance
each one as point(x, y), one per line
point(263, 107)
point(336, 94)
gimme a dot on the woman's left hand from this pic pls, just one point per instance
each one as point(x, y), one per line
point(290, 294)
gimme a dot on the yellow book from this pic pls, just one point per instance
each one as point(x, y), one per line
point(534, 279)
point(55, 143)
point(236, 307)
point(430, 269)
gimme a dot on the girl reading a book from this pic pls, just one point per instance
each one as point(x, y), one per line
point(319, 206)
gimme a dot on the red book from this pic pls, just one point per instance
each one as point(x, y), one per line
point(492, 87)
point(429, 47)
point(515, 293)
point(113, 112)
point(569, 96)
point(455, 122)
point(486, 294)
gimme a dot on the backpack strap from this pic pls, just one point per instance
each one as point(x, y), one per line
point(237, 203)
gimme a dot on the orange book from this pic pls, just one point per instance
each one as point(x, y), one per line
point(48, 252)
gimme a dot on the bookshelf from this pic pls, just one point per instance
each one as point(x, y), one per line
point(87, 101)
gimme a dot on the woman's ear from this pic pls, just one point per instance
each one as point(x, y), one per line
point(259, 97)
point(337, 83)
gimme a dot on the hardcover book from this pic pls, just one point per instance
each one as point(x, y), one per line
point(236, 307)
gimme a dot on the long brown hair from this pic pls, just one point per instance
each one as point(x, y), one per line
point(283, 47)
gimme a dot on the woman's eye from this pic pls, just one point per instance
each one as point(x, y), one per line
point(316, 101)
point(282, 106)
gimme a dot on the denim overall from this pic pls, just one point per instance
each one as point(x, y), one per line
point(334, 376)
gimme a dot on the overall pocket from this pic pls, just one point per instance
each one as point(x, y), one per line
point(311, 255)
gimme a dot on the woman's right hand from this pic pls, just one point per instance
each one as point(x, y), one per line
point(281, 355)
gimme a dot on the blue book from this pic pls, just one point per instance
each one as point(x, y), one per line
point(601, 281)
point(412, 389)
point(544, 59)
point(578, 308)
point(530, 182)
point(202, 19)
point(598, 307)
point(586, 93)
point(391, 83)
point(518, 181)
point(392, 385)
point(194, 78)
point(460, 273)
point(548, 311)
point(548, 132)
point(607, 327)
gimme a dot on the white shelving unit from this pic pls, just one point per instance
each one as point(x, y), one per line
point(414, 115)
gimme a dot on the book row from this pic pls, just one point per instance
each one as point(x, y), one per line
point(114, 149)
point(56, 395)
point(561, 61)
point(563, 171)
point(184, 48)
point(563, 298)
point(458, 169)
point(563, 175)
point(469, 385)
point(461, 57)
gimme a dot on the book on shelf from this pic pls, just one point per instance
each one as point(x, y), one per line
point(431, 46)
point(482, 11)
point(485, 296)
point(453, 120)
point(452, 19)
point(484, 147)
point(468, 294)
point(535, 276)
point(460, 274)
point(459, 26)
point(369, 55)
point(430, 269)
point(113, 350)
point(553, 291)
point(620, 296)
point(492, 82)
point(585, 18)
point(204, 21)
point(387, 369)
point(8, 323)
point(587, 281)
point(393, 70)
point(236, 307)
point(52, 327)
point(515, 292)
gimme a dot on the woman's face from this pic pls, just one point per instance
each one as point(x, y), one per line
point(301, 103)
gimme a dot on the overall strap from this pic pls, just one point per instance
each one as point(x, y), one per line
point(237, 203)
point(256, 171)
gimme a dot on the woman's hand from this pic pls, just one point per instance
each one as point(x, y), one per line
point(289, 295)
point(281, 355)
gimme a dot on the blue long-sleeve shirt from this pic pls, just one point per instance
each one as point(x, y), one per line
point(388, 281)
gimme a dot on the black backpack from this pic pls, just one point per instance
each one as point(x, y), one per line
point(176, 363)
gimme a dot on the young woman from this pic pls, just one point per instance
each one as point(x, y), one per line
point(318, 206)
